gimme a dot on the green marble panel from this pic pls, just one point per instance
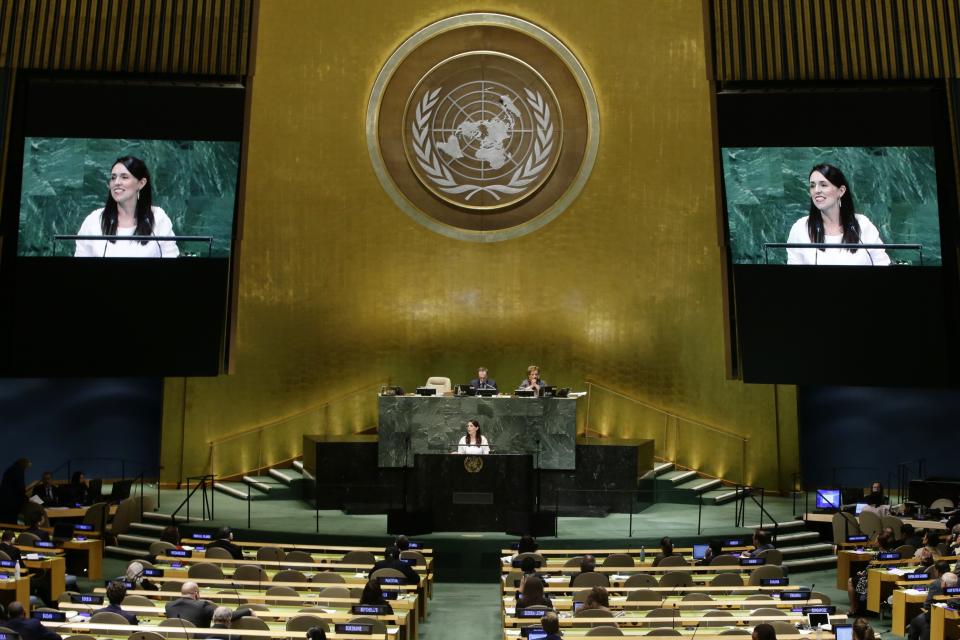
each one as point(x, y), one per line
point(543, 427)
point(64, 179)
point(766, 192)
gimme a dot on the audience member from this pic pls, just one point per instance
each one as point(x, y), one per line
point(190, 607)
point(551, 624)
point(134, 575)
point(6, 545)
point(527, 544)
point(28, 628)
point(33, 520)
point(587, 565)
point(762, 541)
point(764, 631)
point(402, 543)
point(78, 491)
point(909, 536)
point(116, 592)
point(224, 540)
point(862, 630)
point(391, 560)
point(316, 633)
point(171, 534)
point(597, 599)
point(13, 490)
point(222, 619)
point(714, 550)
point(930, 541)
point(46, 490)
point(919, 627)
point(876, 498)
point(666, 550)
point(373, 594)
point(531, 593)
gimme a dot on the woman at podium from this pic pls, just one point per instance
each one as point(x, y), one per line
point(128, 211)
point(474, 443)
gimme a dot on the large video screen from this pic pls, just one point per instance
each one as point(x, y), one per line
point(838, 206)
point(68, 185)
point(772, 199)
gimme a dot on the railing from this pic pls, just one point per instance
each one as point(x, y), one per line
point(207, 502)
point(282, 439)
point(658, 424)
point(740, 513)
point(72, 463)
point(905, 474)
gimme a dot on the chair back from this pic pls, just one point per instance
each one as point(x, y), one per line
point(573, 562)
point(283, 591)
point(327, 577)
point(251, 623)
point(766, 612)
point(305, 621)
point(676, 579)
point(378, 626)
point(727, 580)
point(844, 524)
point(605, 630)
point(764, 571)
point(641, 580)
point(137, 601)
point(591, 613)
point(663, 631)
point(124, 516)
point(251, 572)
point(870, 523)
point(644, 599)
point(333, 592)
point(290, 575)
point(717, 613)
point(906, 550)
point(783, 628)
point(725, 560)
point(157, 548)
point(772, 556)
point(419, 558)
point(735, 632)
point(387, 572)
point(943, 504)
point(591, 579)
point(270, 554)
point(108, 617)
point(529, 554)
point(218, 553)
point(822, 597)
point(97, 516)
point(205, 571)
point(143, 635)
point(660, 612)
point(441, 384)
point(674, 561)
point(894, 523)
point(359, 557)
point(618, 560)
point(299, 556)
point(27, 539)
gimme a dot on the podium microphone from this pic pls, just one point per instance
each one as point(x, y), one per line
point(853, 228)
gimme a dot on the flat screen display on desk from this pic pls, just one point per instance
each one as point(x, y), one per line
point(847, 179)
point(828, 498)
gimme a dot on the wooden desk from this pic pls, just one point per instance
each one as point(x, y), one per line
point(309, 548)
point(880, 586)
point(936, 525)
point(845, 559)
point(683, 618)
point(19, 590)
point(686, 634)
point(906, 606)
point(57, 513)
point(730, 603)
point(944, 623)
point(57, 566)
point(93, 551)
point(124, 630)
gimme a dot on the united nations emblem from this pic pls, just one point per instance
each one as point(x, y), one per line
point(473, 464)
point(470, 139)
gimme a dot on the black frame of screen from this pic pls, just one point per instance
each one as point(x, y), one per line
point(116, 317)
point(818, 329)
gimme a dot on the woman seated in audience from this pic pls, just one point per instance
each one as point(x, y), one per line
point(78, 491)
point(714, 550)
point(857, 583)
point(666, 550)
point(527, 544)
point(373, 594)
point(764, 631)
point(134, 576)
point(876, 498)
point(862, 630)
point(597, 599)
point(930, 541)
point(531, 593)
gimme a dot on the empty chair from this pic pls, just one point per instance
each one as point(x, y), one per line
point(205, 571)
point(358, 557)
point(315, 609)
point(725, 560)
point(176, 622)
point(172, 586)
point(663, 631)
point(764, 571)
point(660, 613)
point(763, 612)
point(716, 613)
point(387, 572)
point(65, 596)
point(822, 597)
point(441, 384)
point(573, 562)
point(870, 523)
point(591, 579)
point(96, 515)
point(589, 613)
point(758, 596)
point(290, 575)
point(605, 630)
point(531, 554)
point(218, 553)
point(327, 577)
point(270, 554)
point(644, 599)
point(674, 561)
point(676, 579)
point(944, 549)
point(582, 595)
point(696, 597)
point(143, 635)
point(137, 601)
point(304, 622)
point(782, 628)
point(257, 606)
point(283, 591)
point(618, 560)
point(513, 578)
point(906, 550)
point(27, 539)
point(727, 580)
point(251, 623)
point(772, 556)
point(159, 547)
point(943, 504)
point(251, 572)
point(843, 525)
point(79, 636)
point(234, 593)
point(419, 559)
point(641, 580)
point(299, 556)
point(333, 592)
point(108, 617)
point(734, 632)
point(4, 556)
point(894, 523)
point(378, 626)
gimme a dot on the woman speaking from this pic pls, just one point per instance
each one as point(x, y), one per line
point(833, 220)
point(474, 443)
point(128, 211)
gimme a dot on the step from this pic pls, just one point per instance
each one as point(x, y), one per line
point(796, 537)
point(298, 465)
point(238, 490)
point(781, 526)
point(266, 484)
point(286, 476)
point(659, 468)
point(700, 485)
point(720, 496)
point(163, 518)
point(124, 552)
point(127, 540)
point(677, 477)
point(810, 564)
point(805, 550)
point(146, 528)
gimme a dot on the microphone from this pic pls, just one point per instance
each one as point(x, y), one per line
point(851, 227)
point(673, 615)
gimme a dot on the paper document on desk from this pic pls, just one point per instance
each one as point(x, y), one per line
point(897, 572)
point(36, 499)
point(914, 592)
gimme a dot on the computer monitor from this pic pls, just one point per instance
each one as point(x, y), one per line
point(120, 490)
point(95, 490)
point(816, 620)
point(700, 551)
point(828, 498)
point(861, 506)
point(843, 631)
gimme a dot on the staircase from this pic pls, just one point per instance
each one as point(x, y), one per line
point(135, 544)
point(686, 486)
point(278, 484)
point(802, 549)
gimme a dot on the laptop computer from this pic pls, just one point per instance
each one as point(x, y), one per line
point(700, 551)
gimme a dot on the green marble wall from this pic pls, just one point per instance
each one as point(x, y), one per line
point(766, 192)
point(64, 179)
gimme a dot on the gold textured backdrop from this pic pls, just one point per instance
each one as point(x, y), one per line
point(339, 290)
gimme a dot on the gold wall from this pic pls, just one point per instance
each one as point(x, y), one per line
point(339, 290)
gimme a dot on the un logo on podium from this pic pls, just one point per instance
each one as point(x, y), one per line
point(468, 137)
point(473, 464)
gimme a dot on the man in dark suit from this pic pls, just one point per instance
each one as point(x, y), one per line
point(482, 381)
point(116, 592)
point(46, 490)
point(761, 543)
point(6, 545)
point(13, 490)
point(225, 541)
point(588, 564)
point(551, 624)
point(28, 628)
point(391, 560)
point(190, 607)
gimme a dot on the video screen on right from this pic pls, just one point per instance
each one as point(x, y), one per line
point(839, 212)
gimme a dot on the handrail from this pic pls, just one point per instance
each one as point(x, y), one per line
point(186, 501)
point(670, 414)
point(286, 419)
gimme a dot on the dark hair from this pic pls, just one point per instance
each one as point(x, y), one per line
point(528, 564)
point(390, 552)
point(588, 564)
point(886, 541)
point(75, 478)
point(144, 211)
point(477, 438)
point(716, 548)
point(15, 610)
point(851, 228)
point(942, 567)
point(862, 630)
point(666, 545)
point(906, 528)
point(316, 633)
point(171, 534)
point(532, 592)
point(116, 592)
point(933, 538)
point(877, 482)
point(402, 542)
point(6, 535)
point(765, 631)
point(762, 537)
point(550, 622)
point(527, 544)
point(597, 596)
point(223, 533)
point(372, 594)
